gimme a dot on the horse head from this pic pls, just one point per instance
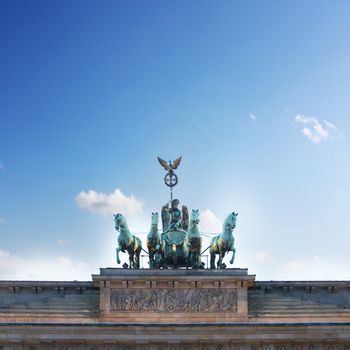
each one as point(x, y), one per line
point(154, 220)
point(230, 222)
point(119, 221)
point(194, 221)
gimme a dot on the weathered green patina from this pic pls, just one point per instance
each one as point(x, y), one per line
point(127, 242)
point(180, 243)
point(154, 243)
point(224, 242)
point(194, 241)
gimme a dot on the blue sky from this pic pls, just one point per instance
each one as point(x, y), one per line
point(254, 95)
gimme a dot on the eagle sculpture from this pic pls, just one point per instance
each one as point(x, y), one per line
point(171, 166)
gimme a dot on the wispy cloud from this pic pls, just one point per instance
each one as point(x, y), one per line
point(315, 130)
point(263, 257)
point(114, 202)
point(330, 125)
point(308, 268)
point(209, 222)
point(2, 221)
point(4, 253)
point(57, 268)
point(64, 241)
point(252, 116)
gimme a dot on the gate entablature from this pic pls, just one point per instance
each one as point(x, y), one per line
point(163, 296)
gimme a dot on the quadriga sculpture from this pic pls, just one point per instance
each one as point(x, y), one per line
point(154, 244)
point(224, 242)
point(127, 242)
point(193, 241)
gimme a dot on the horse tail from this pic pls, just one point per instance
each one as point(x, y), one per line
point(214, 245)
point(138, 244)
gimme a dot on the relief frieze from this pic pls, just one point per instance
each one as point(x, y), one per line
point(173, 300)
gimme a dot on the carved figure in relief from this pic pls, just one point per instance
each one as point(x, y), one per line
point(194, 241)
point(127, 242)
point(154, 244)
point(173, 300)
point(224, 242)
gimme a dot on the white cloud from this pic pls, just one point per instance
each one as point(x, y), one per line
point(297, 265)
point(314, 130)
point(263, 257)
point(2, 221)
point(4, 253)
point(308, 268)
point(312, 136)
point(109, 203)
point(252, 116)
point(61, 268)
point(209, 222)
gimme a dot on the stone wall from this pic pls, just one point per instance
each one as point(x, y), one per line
point(174, 346)
point(318, 301)
point(28, 301)
point(175, 310)
point(172, 337)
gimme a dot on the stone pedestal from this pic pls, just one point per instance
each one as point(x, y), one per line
point(173, 296)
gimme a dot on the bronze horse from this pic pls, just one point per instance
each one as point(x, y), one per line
point(224, 242)
point(154, 243)
point(127, 242)
point(193, 241)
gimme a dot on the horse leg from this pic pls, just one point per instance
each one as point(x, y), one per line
point(162, 259)
point(198, 259)
point(158, 257)
point(191, 254)
point(212, 260)
point(200, 265)
point(131, 260)
point(194, 261)
point(117, 253)
point(233, 255)
point(221, 256)
point(151, 258)
point(137, 258)
point(188, 260)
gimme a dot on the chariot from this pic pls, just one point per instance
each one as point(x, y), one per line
point(174, 249)
point(179, 244)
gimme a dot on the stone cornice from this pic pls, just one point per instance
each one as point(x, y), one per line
point(238, 332)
